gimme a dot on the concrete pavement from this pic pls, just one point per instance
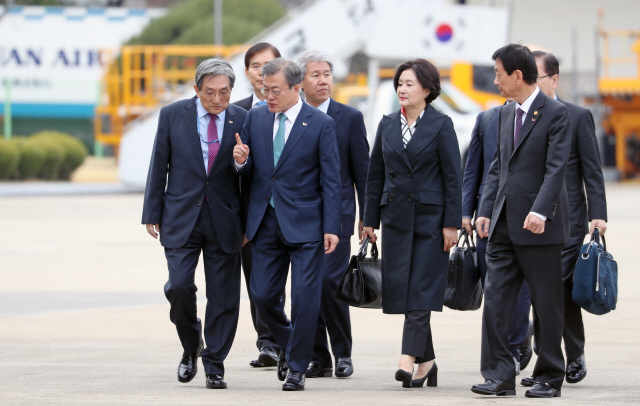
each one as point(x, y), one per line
point(83, 320)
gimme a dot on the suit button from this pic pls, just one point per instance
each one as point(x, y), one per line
point(199, 203)
point(206, 183)
point(510, 173)
point(392, 174)
point(392, 197)
point(273, 179)
point(410, 174)
point(410, 198)
point(505, 194)
point(267, 199)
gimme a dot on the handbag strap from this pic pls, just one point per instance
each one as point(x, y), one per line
point(596, 237)
point(374, 250)
point(362, 252)
point(464, 233)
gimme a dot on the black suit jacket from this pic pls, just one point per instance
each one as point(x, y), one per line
point(245, 103)
point(482, 149)
point(584, 171)
point(177, 152)
point(353, 148)
point(530, 176)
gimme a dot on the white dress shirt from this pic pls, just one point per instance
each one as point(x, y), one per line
point(291, 114)
point(203, 129)
point(255, 100)
point(525, 107)
point(324, 107)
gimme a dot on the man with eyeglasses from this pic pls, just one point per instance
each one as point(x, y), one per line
point(584, 173)
point(254, 59)
point(192, 199)
point(294, 211)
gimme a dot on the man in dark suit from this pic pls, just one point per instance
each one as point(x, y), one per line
point(193, 196)
point(584, 172)
point(524, 212)
point(317, 83)
point(482, 148)
point(254, 59)
point(294, 211)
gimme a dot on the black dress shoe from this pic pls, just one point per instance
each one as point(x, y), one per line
point(431, 377)
point(267, 358)
point(542, 390)
point(528, 381)
point(188, 366)
point(316, 371)
point(344, 367)
point(494, 387)
point(294, 381)
point(576, 370)
point(404, 377)
point(216, 381)
point(525, 350)
point(283, 367)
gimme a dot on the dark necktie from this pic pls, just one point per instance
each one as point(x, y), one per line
point(212, 135)
point(519, 114)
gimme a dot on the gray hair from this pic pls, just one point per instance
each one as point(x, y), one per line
point(214, 67)
point(313, 56)
point(291, 71)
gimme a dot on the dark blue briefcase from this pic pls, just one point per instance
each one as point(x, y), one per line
point(595, 279)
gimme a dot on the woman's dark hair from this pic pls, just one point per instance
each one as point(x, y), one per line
point(518, 57)
point(427, 75)
point(259, 47)
point(550, 62)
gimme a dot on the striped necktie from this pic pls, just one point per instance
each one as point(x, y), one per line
point(519, 114)
point(278, 145)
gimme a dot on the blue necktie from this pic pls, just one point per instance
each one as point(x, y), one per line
point(278, 146)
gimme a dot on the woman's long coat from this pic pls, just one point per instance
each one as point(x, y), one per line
point(414, 193)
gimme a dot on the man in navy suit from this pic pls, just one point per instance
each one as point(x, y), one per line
point(193, 196)
point(294, 211)
point(254, 59)
point(482, 148)
point(317, 84)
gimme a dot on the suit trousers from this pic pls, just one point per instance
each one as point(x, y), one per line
point(508, 265)
point(520, 319)
point(272, 255)
point(222, 276)
point(265, 338)
point(334, 316)
point(417, 340)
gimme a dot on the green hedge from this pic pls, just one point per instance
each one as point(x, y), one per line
point(46, 155)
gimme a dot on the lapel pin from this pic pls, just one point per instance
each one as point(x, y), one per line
point(533, 119)
point(535, 113)
point(304, 124)
point(230, 122)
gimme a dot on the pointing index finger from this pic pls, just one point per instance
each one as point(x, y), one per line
point(238, 140)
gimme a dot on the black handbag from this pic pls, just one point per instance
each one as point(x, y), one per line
point(595, 278)
point(361, 283)
point(463, 290)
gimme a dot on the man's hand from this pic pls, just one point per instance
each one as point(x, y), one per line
point(534, 224)
point(450, 235)
point(482, 226)
point(601, 225)
point(151, 231)
point(244, 240)
point(466, 224)
point(240, 151)
point(330, 243)
point(360, 230)
point(368, 231)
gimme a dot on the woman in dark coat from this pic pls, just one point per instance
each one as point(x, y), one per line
point(414, 190)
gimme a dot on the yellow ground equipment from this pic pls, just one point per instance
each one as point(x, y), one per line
point(140, 77)
point(620, 95)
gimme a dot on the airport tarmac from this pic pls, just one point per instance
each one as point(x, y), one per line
point(83, 320)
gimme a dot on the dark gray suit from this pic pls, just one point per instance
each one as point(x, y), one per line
point(526, 177)
point(198, 213)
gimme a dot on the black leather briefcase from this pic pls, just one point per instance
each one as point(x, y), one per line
point(463, 290)
point(361, 283)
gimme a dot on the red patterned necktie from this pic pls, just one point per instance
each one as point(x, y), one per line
point(519, 114)
point(212, 135)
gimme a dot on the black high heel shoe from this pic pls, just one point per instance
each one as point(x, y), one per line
point(404, 377)
point(431, 377)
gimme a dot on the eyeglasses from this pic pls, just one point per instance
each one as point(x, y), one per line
point(223, 94)
point(542, 77)
point(266, 92)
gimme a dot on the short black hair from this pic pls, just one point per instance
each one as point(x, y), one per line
point(427, 75)
point(518, 57)
point(551, 64)
point(259, 47)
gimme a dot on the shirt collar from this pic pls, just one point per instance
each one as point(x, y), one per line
point(293, 111)
point(527, 103)
point(255, 100)
point(324, 107)
point(202, 112)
